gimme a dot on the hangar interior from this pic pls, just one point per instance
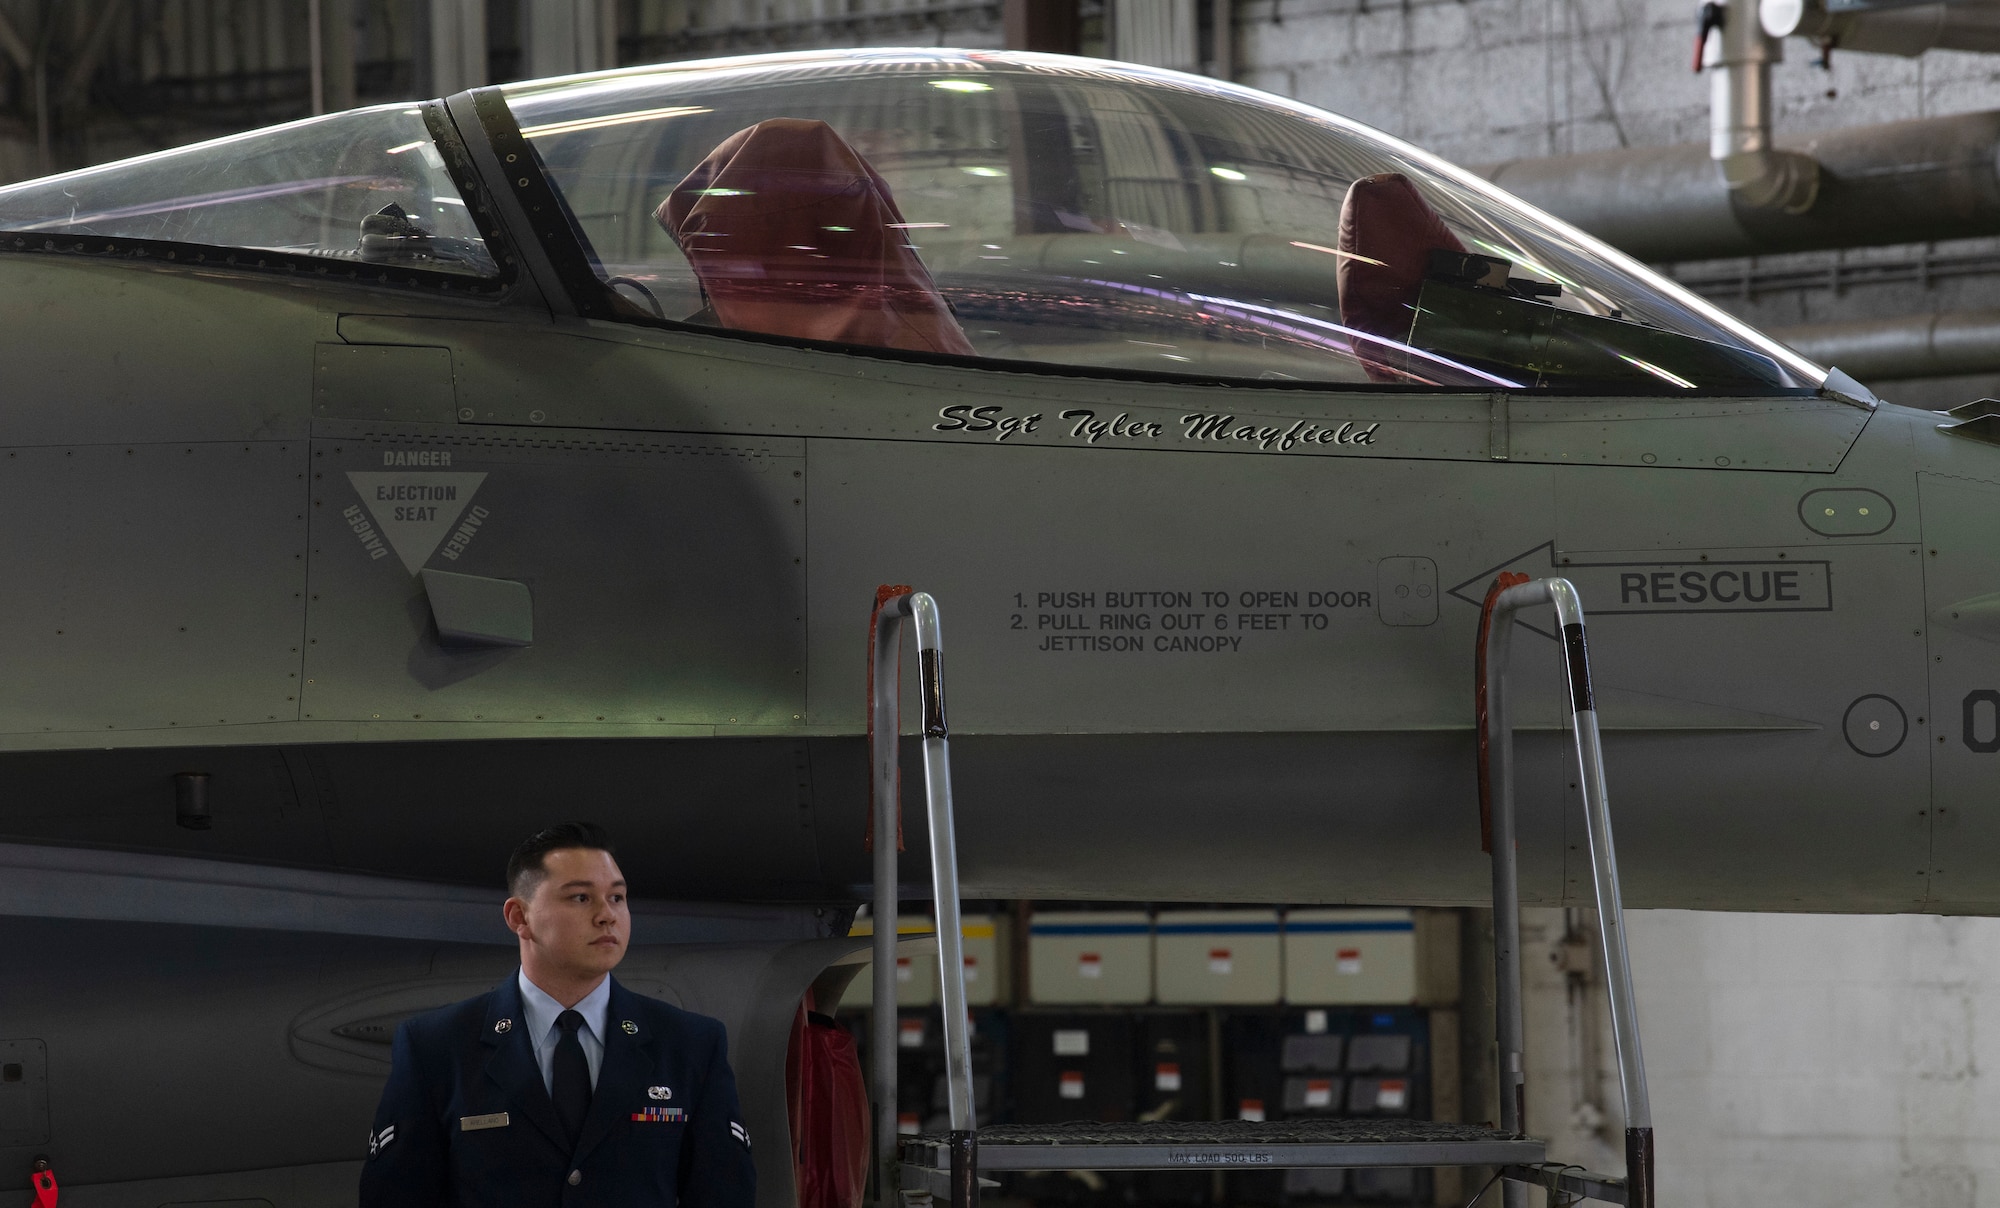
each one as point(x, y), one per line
point(1835, 183)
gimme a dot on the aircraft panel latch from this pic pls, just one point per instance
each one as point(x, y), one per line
point(474, 611)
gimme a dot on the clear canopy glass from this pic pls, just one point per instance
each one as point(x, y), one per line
point(1082, 213)
point(367, 185)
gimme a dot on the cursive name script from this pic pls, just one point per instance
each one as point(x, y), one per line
point(1225, 427)
point(1083, 424)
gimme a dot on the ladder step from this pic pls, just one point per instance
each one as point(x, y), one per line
point(1234, 1144)
point(1572, 1180)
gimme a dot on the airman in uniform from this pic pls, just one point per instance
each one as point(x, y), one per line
point(560, 1088)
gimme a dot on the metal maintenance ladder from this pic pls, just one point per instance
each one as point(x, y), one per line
point(948, 1167)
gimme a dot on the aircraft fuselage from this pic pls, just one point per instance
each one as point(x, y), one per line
point(1205, 642)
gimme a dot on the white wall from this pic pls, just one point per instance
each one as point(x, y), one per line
point(1822, 1060)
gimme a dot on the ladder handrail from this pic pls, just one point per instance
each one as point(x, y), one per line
point(1508, 1028)
point(887, 834)
point(886, 719)
point(1503, 604)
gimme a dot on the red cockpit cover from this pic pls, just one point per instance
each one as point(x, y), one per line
point(829, 1113)
point(792, 233)
point(1387, 231)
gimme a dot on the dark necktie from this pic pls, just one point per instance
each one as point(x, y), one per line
point(570, 1078)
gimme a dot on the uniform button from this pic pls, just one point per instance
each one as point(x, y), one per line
point(575, 1177)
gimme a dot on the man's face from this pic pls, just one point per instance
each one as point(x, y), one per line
point(576, 922)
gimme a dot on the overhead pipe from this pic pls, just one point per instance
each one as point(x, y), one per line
point(1657, 202)
point(1899, 182)
point(1737, 55)
point(1907, 30)
point(1916, 346)
point(1865, 186)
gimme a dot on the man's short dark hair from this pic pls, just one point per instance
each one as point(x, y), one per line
point(526, 867)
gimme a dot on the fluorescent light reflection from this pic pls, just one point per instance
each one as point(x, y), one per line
point(1658, 372)
point(550, 129)
point(1305, 327)
point(1334, 251)
point(1292, 316)
point(222, 198)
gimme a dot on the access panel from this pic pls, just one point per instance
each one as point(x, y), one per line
point(152, 587)
point(656, 580)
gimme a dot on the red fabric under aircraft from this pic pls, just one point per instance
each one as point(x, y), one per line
point(828, 1098)
point(792, 233)
point(1388, 232)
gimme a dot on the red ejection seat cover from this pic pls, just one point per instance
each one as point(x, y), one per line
point(792, 233)
point(1387, 232)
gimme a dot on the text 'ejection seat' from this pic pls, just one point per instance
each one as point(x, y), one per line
point(792, 233)
point(1387, 234)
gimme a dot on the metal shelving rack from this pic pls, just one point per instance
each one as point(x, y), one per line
point(931, 1167)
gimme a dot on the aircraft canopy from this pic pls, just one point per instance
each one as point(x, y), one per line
point(1007, 208)
point(1084, 213)
point(367, 185)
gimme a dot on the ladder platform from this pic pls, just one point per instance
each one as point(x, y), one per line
point(1231, 1145)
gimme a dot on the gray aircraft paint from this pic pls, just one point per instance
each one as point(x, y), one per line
point(700, 522)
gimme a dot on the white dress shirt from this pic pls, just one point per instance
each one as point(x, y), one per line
point(541, 1011)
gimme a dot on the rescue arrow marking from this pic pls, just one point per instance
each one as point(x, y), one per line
point(1673, 586)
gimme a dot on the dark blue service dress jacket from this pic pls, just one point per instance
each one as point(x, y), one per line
point(467, 1121)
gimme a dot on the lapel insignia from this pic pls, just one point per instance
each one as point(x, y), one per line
point(631, 1029)
point(661, 1115)
point(378, 1141)
point(504, 1026)
point(659, 1092)
point(740, 1133)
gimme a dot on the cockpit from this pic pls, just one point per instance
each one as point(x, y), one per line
point(1013, 209)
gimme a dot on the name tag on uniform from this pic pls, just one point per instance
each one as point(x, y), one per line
point(475, 1123)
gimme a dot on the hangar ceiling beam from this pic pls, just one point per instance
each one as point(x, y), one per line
point(453, 46)
point(76, 81)
point(564, 37)
point(1157, 33)
point(14, 46)
point(330, 35)
point(1050, 26)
